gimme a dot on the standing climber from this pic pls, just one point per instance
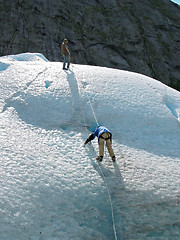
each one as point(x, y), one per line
point(66, 54)
point(103, 135)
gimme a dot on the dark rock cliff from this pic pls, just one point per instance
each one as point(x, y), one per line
point(136, 35)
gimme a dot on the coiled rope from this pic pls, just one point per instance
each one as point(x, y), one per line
point(104, 178)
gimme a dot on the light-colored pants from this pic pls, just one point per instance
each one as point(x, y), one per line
point(108, 144)
point(66, 59)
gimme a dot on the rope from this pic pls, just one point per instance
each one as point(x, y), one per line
point(93, 112)
point(107, 188)
point(110, 200)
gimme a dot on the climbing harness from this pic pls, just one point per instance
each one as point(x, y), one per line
point(109, 136)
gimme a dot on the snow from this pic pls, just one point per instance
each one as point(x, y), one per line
point(51, 185)
point(25, 57)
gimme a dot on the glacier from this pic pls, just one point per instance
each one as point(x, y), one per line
point(52, 187)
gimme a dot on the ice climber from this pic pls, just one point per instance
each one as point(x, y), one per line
point(103, 135)
point(66, 54)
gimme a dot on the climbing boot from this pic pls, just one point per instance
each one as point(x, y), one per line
point(99, 158)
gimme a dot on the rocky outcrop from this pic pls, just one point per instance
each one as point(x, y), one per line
point(136, 35)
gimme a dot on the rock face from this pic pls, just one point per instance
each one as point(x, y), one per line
point(136, 35)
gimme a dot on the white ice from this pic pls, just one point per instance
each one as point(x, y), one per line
point(52, 187)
